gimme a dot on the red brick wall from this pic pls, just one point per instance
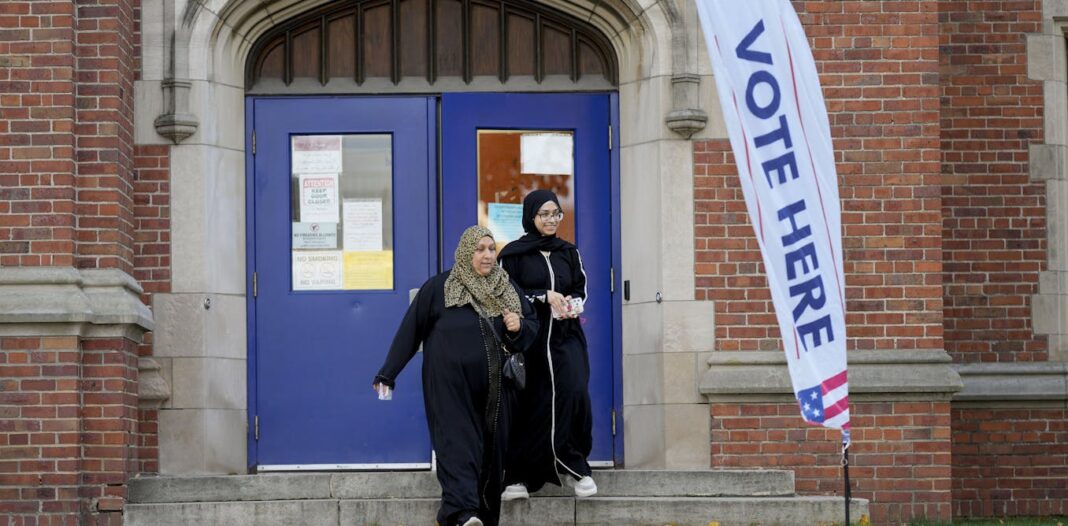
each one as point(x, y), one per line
point(152, 216)
point(879, 70)
point(37, 165)
point(104, 133)
point(40, 423)
point(66, 75)
point(951, 238)
point(109, 426)
point(69, 431)
point(1006, 462)
point(994, 218)
point(878, 65)
point(899, 460)
point(68, 428)
point(152, 266)
point(1009, 462)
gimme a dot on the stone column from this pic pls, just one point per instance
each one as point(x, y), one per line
point(191, 92)
point(665, 330)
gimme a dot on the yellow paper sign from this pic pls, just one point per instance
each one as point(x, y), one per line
point(368, 270)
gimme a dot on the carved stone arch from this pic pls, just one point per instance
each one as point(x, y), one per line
point(627, 25)
point(430, 45)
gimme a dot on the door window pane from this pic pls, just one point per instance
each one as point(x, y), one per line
point(513, 163)
point(342, 212)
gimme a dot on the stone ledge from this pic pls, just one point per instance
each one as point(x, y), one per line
point(1013, 382)
point(93, 302)
point(873, 376)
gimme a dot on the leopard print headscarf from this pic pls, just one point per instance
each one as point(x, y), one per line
point(490, 295)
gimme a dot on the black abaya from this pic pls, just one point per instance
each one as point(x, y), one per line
point(547, 442)
point(461, 374)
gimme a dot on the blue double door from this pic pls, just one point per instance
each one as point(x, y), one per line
point(352, 203)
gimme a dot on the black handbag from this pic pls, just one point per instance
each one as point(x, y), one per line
point(514, 368)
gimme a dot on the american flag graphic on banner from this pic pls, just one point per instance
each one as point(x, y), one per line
point(776, 119)
point(827, 403)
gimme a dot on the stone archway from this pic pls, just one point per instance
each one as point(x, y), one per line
point(191, 94)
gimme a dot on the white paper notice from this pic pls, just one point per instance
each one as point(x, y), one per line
point(363, 224)
point(546, 153)
point(318, 198)
point(320, 270)
point(505, 221)
point(316, 154)
point(315, 235)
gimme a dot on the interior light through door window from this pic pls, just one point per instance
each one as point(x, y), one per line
point(513, 163)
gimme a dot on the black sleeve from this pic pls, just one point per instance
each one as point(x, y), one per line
point(511, 265)
point(578, 276)
point(411, 333)
point(528, 327)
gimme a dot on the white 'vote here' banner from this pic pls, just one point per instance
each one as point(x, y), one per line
point(777, 122)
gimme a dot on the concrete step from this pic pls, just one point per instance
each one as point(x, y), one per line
point(538, 511)
point(411, 498)
point(424, 484)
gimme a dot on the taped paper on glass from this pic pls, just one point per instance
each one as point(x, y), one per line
point(369, 270)
point(315, 154)
point(363, 224)
point(315, 236)
point(505, 220)
point(317, 270)
point(546, 153)
point(318, 198)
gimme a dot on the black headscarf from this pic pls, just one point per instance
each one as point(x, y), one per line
point(532, 240)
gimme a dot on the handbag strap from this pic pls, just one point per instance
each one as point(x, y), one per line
point(496, 338)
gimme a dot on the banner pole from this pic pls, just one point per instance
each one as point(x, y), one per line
point(845, 467)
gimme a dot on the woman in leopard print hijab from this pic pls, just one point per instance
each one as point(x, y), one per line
point(462, 317)
point(492, 294)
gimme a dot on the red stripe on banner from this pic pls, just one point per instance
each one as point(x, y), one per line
point(812, 161)
point(838, 408)
point(749, 165)
point(745, 141)
point(833, 382)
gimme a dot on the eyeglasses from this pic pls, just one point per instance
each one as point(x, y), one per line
point(547, 215)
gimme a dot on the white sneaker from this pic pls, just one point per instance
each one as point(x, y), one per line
point(584, 487)
point(515, 491)
point(473, 521)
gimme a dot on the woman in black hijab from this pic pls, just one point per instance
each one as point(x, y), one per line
point(554, 435)
point(458, 316)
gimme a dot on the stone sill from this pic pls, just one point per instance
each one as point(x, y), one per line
point(889, 376)
point(33, 297)
point(873, 376)
point(1013, 382)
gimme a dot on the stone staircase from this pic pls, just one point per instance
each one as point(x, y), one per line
point(626, 497)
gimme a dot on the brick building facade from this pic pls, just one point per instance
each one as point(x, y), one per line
point(950, 125)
